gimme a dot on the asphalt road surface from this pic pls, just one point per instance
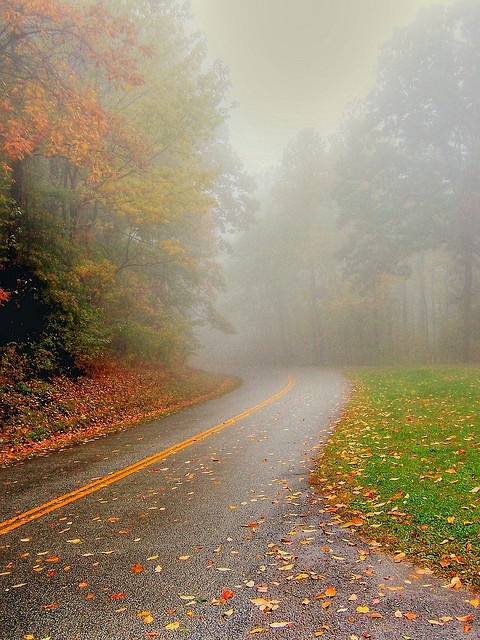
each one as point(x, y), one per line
point(162, 534)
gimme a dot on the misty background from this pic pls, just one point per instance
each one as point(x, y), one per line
point(280, 181)
point(360, 122)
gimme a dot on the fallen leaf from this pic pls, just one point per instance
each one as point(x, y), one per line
point(410, 615)
point(137, 568)
point(257, 630)
point(355, 522)
point(465, 618)
point(117, 596)
point(362, 609)
point(279, 625)
point(330, 592)
point(172, 626)
point(475, 602)
point(226, 595)
point(455, 583)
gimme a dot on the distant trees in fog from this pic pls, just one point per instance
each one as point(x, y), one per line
point(367, 249)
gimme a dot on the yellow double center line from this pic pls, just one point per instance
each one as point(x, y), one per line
point(96, 485)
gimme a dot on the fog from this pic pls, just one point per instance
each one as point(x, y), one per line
point(316, 163)
point(359, 120)
point(295, 64)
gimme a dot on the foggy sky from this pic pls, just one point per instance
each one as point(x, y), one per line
point(295, 63)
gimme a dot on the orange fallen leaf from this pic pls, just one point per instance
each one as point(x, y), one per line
point(330, 591)
point(455, 583)
point(137, 568)
point(226, 595)
point(465, 618)
point(117, 596)
point(50, 606)
point(376, 615)
point(475, 602)
point(410, 615)
point(354, 522)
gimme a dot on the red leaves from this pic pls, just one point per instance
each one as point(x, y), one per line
point(4, 296)
point(94, 405)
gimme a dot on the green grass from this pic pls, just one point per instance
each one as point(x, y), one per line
point(405, 462)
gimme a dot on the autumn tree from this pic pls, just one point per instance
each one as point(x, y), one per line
point(112, 183)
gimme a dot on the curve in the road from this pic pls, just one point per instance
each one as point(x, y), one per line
point(100, 483)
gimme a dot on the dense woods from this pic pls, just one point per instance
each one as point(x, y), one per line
point(367, 246)
point(117, 183)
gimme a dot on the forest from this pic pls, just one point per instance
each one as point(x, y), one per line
point(117, 181)
point(124, 211)
point(367, 245)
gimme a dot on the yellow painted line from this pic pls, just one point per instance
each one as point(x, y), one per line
point(96, 485)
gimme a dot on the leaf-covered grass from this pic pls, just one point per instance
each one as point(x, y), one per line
point(37, 417)
point(404, 465)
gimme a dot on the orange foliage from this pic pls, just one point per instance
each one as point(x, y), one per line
point(56, 58)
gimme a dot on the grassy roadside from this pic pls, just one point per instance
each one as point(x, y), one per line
point(39, 417)
point(403, 466)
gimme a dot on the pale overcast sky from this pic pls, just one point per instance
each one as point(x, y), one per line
point(295, 63)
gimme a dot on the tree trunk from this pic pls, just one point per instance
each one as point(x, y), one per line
point(467, 303)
